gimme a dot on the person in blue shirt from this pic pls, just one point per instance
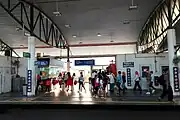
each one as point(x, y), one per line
point(119, 81)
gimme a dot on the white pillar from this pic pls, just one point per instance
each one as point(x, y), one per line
point(171, 38)
point(31, 66)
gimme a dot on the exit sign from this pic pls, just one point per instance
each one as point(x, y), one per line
point(26, 55)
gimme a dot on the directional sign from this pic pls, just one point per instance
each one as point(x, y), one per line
point(26, 55)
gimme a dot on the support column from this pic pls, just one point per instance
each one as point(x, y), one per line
point(68, 60)
point(31, 66)
point(171, 38)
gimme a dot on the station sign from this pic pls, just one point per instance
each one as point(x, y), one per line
point(41, 63)
point(29, 80)
point(128, 64)
point(176, 79)
point(84, 62)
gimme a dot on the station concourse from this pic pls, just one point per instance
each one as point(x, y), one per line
point(45, 44)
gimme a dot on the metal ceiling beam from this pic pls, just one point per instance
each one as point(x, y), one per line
point(4, 47)
point(85, 45)
point(154, 31)
point(40, 26)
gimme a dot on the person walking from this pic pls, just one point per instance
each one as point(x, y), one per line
point(137, 82)
point(119, 81)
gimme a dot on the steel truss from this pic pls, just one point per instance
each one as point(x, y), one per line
point(154, 32)
point(35, 21)
point(4, 47)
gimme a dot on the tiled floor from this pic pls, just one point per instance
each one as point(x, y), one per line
point(60, 95)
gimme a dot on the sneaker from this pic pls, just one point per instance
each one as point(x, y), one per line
point(153, 91)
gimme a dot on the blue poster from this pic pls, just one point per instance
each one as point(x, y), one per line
point(29, 81)
point(84, 62)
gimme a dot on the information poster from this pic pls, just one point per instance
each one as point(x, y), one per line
point(128, 77)
point(29, 81)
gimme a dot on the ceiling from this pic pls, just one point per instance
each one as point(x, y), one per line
point(86, 18)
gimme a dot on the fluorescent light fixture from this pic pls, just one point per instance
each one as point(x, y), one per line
point(74, 36)
point(99, 35)
point(126, 22)
point(26, 34)
point(111, 41)
point(133, 7)
point(67, 26)
point(57, 13)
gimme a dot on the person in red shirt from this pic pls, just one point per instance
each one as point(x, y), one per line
point(48, 85)
point(38, 78)
point(69, 81)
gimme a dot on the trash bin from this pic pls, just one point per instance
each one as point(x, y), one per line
point(24, 89)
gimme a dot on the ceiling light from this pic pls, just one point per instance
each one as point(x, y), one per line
point(80, 42)
point(133, 7)
point(111, 41)
point(126, 22)
point(57, 13)
point(74, 36)
point(67, 26)
point(98, 34)
point(18, 29)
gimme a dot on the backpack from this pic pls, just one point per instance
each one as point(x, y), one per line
point(160, 80)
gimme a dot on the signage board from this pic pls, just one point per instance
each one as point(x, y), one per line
point(29, 81)
point(128, 77)
point(128, 64)
point(26, 55)
point(176, 79)
point(41, 63)
point(84, 62)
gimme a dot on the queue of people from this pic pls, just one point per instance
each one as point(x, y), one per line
point(65, 80)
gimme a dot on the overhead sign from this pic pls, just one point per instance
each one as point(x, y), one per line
point(26, 55)
point(128, 64)
point(84, 62)
point(29, 81)
point(41, 63)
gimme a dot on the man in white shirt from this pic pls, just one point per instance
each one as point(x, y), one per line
point(112, 81)
point(94, 74)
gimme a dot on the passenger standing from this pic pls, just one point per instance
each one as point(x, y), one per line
point(38, 83)
point(119, 81)
point(124, 82)
point(137, 82)
point(148, 80)
point(60, 79)
point(165, 83)
point(112, 81)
